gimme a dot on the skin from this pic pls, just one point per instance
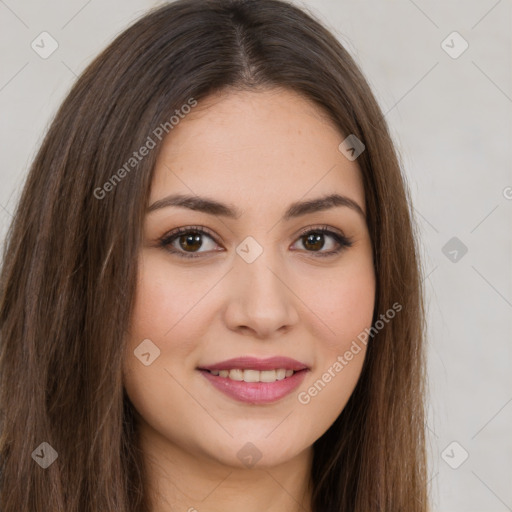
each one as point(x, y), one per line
point(259, 152)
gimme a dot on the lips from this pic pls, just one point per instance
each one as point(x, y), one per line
point(256, 381)
point(253, 363)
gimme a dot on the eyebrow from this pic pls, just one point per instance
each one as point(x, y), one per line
point(212, 207)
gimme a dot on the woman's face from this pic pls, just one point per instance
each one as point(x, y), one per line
point(262, 282)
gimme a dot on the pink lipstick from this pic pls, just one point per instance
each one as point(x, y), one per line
point(256, 381)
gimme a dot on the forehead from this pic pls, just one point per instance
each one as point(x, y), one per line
point(256, 147)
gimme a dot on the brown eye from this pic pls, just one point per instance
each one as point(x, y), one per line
point(314, 240)
point(187, 242)
point(190, 242)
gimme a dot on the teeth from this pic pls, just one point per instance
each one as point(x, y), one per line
point(235, 374)
point(254, 375)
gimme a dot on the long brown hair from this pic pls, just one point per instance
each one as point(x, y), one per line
point(70, 265)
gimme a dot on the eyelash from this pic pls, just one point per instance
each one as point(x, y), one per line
point(166, 241)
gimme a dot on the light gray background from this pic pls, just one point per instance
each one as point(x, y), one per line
point(451, 120)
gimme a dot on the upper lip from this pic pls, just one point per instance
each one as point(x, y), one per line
point(253, 363)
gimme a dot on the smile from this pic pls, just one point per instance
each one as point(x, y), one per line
point(254, 375)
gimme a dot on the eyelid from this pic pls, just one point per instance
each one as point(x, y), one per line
point(343, 241)
point(186, 229)
point(320, 227)
point(301, 232)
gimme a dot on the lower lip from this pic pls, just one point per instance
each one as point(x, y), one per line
point(256, 392)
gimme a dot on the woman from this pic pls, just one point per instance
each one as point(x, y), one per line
point(211, 294)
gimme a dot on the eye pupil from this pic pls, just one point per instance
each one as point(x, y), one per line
point(314, 239)
point(192, 241)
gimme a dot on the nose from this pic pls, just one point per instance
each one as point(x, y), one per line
point(260, 301)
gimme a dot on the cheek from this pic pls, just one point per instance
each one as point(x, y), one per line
point(341, 307)
point(342, 311)
point(166, 297)
point(341, 304)
point(163, 313)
